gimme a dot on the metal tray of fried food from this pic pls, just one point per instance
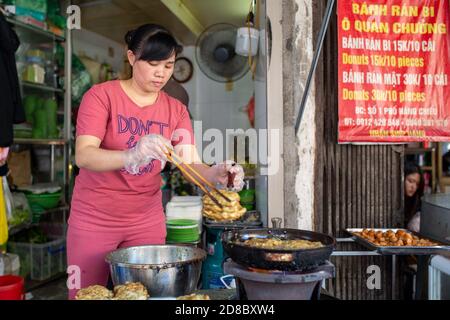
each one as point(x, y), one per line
point(440, 248)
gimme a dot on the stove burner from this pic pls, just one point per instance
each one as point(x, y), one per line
point(260, 284)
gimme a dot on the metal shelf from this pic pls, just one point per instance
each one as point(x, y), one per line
point(37, 30)
point(20, 227)
point(42, 87)
point(36, 36)
point(45, 142)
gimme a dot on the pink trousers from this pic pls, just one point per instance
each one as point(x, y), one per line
point(86, 252)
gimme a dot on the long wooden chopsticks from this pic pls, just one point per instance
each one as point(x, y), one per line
point(177, 161)
point(209, 184)
point(187, 174)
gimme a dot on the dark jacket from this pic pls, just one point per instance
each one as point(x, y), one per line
point(4, 170)
point(11, 109)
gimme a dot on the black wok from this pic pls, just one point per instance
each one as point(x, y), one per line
point(277, 259)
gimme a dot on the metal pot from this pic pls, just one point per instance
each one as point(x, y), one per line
point(165, 270)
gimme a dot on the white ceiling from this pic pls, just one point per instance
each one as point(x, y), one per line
point(214, 11)
point(113, 18)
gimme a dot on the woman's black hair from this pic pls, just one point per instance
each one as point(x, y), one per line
point(152, 42)
point(414, 203)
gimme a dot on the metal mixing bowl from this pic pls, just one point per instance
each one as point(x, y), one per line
point(166, 270)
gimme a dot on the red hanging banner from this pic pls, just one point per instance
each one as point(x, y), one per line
point(394, 70)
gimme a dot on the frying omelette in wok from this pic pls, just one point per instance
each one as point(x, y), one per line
point(275, 243)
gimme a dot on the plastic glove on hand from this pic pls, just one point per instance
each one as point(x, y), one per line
point(148, 148)
point(230, 175)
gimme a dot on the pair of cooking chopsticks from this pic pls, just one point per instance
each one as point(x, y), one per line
point(177, 161)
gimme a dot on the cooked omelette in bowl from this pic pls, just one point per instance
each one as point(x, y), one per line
point(275, 243)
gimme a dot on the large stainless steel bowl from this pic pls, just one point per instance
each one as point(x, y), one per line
point(166, 270)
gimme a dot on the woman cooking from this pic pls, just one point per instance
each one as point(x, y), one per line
point(123, 131)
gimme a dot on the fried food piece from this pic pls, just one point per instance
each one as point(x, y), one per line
point(390, 234)
point(407, 236)
point(194, 297)
point(225, 209)
point(233, 196)
point(231, 210)
point(131, 291)
point(94, 292)
point(400, 233)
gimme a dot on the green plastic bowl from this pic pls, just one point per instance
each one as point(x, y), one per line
point(42, 202)
point(182, 231)
point(180, 223)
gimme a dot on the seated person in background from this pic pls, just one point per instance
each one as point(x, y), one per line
point(414, 188)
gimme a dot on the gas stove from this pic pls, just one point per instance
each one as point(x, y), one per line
point(260, 284)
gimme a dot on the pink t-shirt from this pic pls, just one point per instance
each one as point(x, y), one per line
point(117, 200)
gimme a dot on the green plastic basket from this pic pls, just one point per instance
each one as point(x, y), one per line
point(182, 231)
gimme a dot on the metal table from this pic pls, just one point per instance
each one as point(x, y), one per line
point(368, 253)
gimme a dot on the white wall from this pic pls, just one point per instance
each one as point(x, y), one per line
point(97, 47)
point(212, 104)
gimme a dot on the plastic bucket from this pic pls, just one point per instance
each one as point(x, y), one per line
point(11, 287)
